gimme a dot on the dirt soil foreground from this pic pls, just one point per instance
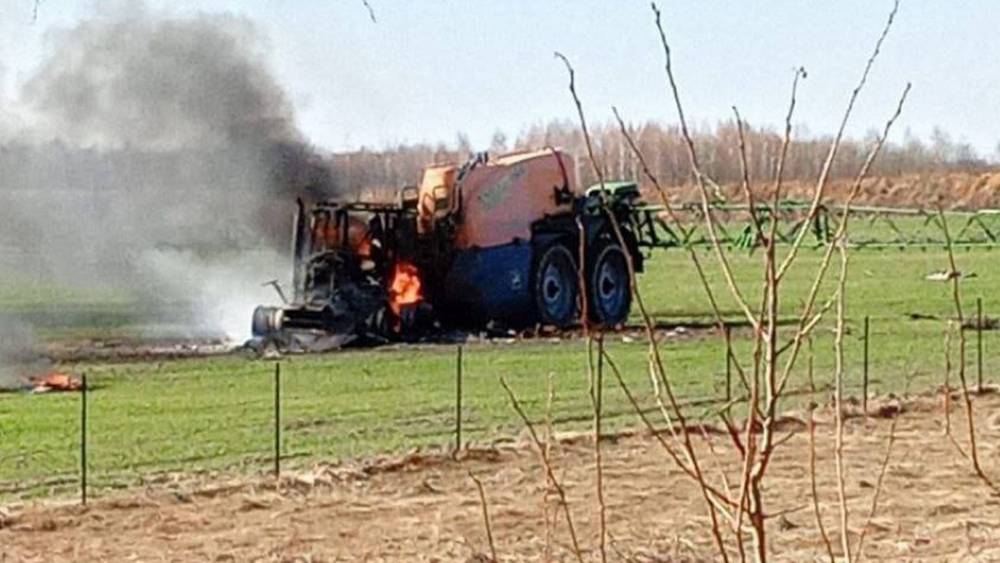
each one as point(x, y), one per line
point(424, 507)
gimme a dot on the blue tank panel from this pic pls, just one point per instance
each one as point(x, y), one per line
point(493, 283)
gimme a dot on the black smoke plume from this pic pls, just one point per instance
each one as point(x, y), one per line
point(148, 153)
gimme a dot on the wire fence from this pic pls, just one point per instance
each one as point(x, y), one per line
point(157, 428)
point(873, 227)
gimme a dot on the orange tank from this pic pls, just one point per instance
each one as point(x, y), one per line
point(502, 198)
point(435, 195)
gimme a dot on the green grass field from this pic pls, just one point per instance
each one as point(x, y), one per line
point(217, 413)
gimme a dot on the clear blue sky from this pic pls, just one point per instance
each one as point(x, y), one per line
point(429, 69)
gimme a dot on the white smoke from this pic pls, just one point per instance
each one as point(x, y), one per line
point(19, 356)
point(226, 289)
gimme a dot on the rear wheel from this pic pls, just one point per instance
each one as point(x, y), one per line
point(556, 288)
point(265, 321)
point(608, 285)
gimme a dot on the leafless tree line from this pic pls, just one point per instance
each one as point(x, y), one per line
point(664, 149)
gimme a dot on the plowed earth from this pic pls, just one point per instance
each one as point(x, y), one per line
point(425, 507)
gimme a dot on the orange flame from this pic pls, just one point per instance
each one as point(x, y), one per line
point(56, 381)
point(406, 288)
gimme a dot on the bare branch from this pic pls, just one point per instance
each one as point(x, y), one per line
point(710, 221)
point(838, 449)
point(766, 350)
point(371, 12)
point(720, 322)
point(745, 170)
point(947, 385)
point(835, 146)
point(711, 450)
point(596, 396)
point(647, 319)
point(779, 175)
point(548, 466)
point(550, 519)
point(671, 451)
point(815, 490)
point(751, 442)
point(486, 516)
point(956, 293)
point(878, 488)
point(805, 323)
point(581, 280)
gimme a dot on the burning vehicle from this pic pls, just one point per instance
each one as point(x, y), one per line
point(494, 242)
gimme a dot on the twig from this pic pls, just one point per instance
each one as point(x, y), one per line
point(595, 385)
point(765, 324)
point(956, 293)
point(815, 490)
point(779, 175)
point(750, 440)
point(838, 449)
point(721, 258)
point(710, 222)
point(371, 12)
point(581, 279)
point(671, 451)
point(751, 482)
point(549, 519)
point(486, 516)
point(878, 488)
point(548, 467)
point(618, 552)
point(676, 220)
point(647, 320)
point(616, 228)
point(805, 323)
point(745, 170)
point(596, 396)
point(832, 154)
point(947, 381)
point(752, 478)
point(715, 456)
point(769, 307)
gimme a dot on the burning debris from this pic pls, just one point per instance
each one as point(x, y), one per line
point(405, 288)
point(55, 381)
point(44, 383)
point(406, 297)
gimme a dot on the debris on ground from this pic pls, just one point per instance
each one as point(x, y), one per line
point(944, 275)
point(55, 382)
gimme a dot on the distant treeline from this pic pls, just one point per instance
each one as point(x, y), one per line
point(282, 171)
point(664, 150)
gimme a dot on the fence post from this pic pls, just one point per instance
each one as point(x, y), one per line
point(277, 420)
point(83, 440)
point(864, 381)
point(729, 362)
point(979, 344)
point(458, 400)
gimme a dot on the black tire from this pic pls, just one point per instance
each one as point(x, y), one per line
point(556, 287)
point(608, 285)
